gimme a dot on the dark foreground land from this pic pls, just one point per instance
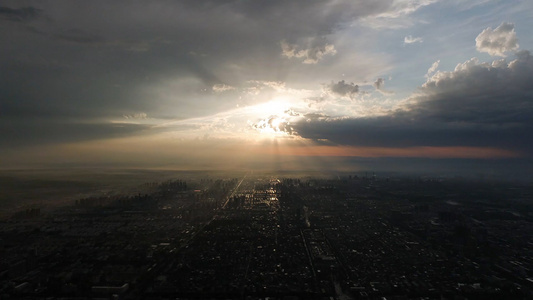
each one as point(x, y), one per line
point(257, 237)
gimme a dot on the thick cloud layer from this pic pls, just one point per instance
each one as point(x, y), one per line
point(477, 104)
point(19, 14)
point(74, 61)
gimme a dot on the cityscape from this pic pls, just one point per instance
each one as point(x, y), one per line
point(253, 149)
point(262, 236)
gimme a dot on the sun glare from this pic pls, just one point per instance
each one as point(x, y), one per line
point(273, 118)
point(276, 122)
point(273, 125)
point(274, 107)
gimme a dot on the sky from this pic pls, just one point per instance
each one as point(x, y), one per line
point(234, 84)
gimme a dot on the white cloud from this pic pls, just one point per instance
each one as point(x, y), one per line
point(433, 68)
point(311, 55)
point(411, 40)
point(278, 86)
point(219, 88)
point(397, 15)
point(136, 116)
point(498, 41)
point(404, 7)
point(274, 124)
point(479, 104)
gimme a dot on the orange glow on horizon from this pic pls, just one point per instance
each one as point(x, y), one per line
point(423, 152)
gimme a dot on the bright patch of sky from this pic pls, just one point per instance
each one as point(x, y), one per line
point(448, 30)
point(74, 71)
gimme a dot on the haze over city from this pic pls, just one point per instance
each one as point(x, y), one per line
point(280, 149)
point(427, 85)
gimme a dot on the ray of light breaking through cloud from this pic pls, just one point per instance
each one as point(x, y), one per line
point(200, 79)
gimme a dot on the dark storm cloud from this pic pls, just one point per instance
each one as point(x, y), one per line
point(398, 131)
point(79, 36)
point(481, 93)
point(19, 14)
point(306, 17)
point(477, 104)
point(81, 60)
point(30, 132)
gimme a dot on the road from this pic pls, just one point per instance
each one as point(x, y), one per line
point(186, 243)
point(234, 191)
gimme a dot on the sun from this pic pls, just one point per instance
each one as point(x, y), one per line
point(276, 122)
point(274, 118)
point(273, 125)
